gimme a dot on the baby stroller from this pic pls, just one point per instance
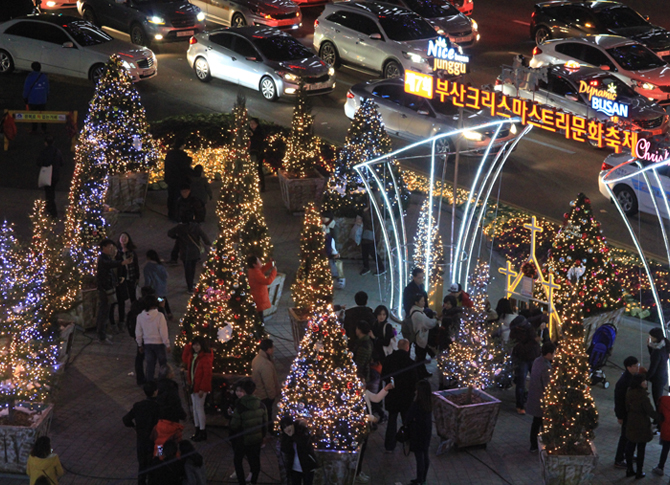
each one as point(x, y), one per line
point(599, 351)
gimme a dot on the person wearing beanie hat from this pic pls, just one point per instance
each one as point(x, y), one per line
point(463, 299)
point(657, 373)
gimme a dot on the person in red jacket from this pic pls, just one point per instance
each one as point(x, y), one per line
point(664, 409)
point(259, 282)
point(198, 359)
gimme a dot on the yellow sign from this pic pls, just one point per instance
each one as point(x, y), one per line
point(41, 116)
point(609, 93)
point(419, 84)
point(453, 68)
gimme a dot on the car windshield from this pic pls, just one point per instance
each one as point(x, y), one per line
point(145, 2)
point(406, 27)
point(611, 84)
point(430, 9)
point(86, 34)
point(620, 18)
point(447, 108)
point(282, 48)
point(635, 57)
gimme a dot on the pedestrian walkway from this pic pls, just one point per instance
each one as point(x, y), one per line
point(98, 387)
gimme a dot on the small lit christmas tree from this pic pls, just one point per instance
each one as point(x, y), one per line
point(580, 257)
point(436, 250)
point(569, 414)
point(366, 139)
point(115, 140)
point(11, 275)
point(313, 287)
point(223, 311)
point(302, 151)
point(323, 388)
point(475, 359)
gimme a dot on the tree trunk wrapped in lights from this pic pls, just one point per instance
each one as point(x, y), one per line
point(580, 259)
point(366, 140)
point(475, 359)
point(322, 386)
point(421, 239)
point(115, 140)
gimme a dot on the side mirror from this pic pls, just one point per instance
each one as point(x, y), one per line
point(423, 112)
point(572, 97)
point(604, 67)
point(68, 45)
point(376, 36)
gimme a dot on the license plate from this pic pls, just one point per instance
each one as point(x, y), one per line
point(663, 53)
point(185, 33)
point(461, 39)
point(316, 86)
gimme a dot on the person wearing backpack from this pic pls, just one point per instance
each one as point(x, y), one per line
point(421, 325)
point(36, 92)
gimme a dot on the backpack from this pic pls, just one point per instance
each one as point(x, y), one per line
point(407, 328)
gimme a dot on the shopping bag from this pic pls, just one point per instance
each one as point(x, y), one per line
point(44, 179)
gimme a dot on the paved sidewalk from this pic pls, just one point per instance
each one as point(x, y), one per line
point(98, 388)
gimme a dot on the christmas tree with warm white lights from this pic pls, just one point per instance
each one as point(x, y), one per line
point(302, 151)
point(421, 239)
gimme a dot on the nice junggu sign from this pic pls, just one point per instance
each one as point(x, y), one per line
point(446, 57)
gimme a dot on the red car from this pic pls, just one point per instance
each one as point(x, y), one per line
point(45, 5)
point(464, 6)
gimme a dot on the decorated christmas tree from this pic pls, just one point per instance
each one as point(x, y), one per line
point(366, 140)
point(223, 311)
point(475, 359)
point(322, 386)
point(569, 414)
point(421, 239)
point(313, 287)
point(11, 275)
point(580, 259)
point(115, 140)
point(302, 151)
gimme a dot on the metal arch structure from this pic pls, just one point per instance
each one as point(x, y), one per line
point(376, 174)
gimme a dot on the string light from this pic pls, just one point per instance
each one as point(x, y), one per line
point(302, 150)
point(437, 254)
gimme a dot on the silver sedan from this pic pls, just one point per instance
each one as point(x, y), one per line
point(283, 14)
point(261, 58)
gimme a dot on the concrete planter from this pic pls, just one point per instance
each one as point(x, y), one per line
point(128, 192)
point(298, 326)
point(17, 441)
point(296, 193)
point(336, 467)
point(467, 424)
point(567, 469)
point(275, 291)
point(85, 313)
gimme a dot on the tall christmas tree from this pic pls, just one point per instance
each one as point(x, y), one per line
point(569, 414)
point(580, 258)
point(323, 387)
point(115, 140)
point(421, 239)
point(302, 151)
point(475, 359)
point(11, 275)
point(366, 140)
point(313, 287)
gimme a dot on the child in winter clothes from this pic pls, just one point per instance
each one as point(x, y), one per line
point(664, 409)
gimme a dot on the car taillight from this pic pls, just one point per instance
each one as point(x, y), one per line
point(350, 95)
point(536, 51)
point(533, 15)
point(606, 166)
point(316, 23)
point(192, 41)
point(498, 81)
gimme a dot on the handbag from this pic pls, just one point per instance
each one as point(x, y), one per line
point(44, 179)
point(111, 296)
point(357, 231)
point(200, 247)
point(402, 436)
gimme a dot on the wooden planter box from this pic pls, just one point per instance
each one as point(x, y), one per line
point(128, 192)
point(567, 469)
point(336, 467)
point(17, 441)
point(274, 291)
point(298, 192)
point(465, 425)
point(299, 326)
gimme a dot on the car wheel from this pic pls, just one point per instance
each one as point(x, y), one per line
point(201, 68)
point(627, 199)
point(238, 20)
point(89, 15)
point(6, 62)
point(268, 89)
point(96, 73)
point(138, 37)
point(542, 34)
point(393, 70)
point(444, 146)
point(328, 53)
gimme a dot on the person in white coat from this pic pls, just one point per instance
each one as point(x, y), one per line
point(421, 324)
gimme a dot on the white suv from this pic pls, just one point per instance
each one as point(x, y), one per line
point(377, 37)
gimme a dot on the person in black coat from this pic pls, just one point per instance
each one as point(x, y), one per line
point(352, 316)
point(450, 324)
point(420, 424)
point(399, 366)
point(169, 402)
point(257, 148)
point(657, 373)
point(143, 417)
point(106, 281)
point(167, 468)
point(632, 366)
point(177, 172)
point(295, 438)
point(414, 287)
point(524, 353)
point(51, 156)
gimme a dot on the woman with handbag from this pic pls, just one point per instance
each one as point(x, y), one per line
point(420, 427)
point(198, 359)
point(297, 451)
point(128, 275)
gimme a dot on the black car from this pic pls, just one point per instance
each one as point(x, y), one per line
point(561, 19)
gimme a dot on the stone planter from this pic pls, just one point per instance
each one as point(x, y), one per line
point(274, 291)
point(296, 193)
point(336, 467)
point(17, 441)
point(468, 424)
point(298, 326)
point(567, 469)
point(83, 314)
point(128, 192)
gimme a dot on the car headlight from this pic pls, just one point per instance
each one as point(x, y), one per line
point(438, 29)
point(474, 25)
point(513, 129)
point(646, 85)
point(200, 16)
point(473, 135)
point(290, 77)
point(157, 20)
point(127, 65)
point(331, 71)
point(414, 57)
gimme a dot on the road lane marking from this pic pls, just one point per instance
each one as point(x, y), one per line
point(549, 145)
point(521, 22)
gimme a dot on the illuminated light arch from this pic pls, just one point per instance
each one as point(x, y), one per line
point(395, 238)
